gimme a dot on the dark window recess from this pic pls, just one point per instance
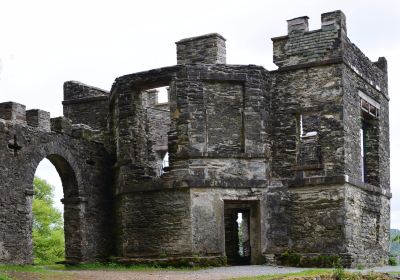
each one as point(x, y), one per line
point(369, 145)
point(309, 150)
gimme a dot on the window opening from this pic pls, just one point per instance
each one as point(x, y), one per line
point(165, 163)
point(303, 131)
point(162, 95)
point(362, 147)
point(369, 108)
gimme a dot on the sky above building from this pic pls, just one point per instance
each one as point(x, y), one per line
point(45, 43)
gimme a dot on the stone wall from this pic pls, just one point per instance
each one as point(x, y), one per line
point(367, 227)
point(154, 224)
point(314, 95)
point(219, 120)
point(84, 168)
point(84, 104)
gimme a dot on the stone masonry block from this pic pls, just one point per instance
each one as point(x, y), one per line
point(334, 20)
point(38, 118)
point(207, 49)
point(12, 111)
point(299, 24)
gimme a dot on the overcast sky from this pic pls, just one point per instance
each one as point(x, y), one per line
point(44, 43)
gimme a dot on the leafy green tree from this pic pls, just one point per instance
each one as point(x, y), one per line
point(47, 228)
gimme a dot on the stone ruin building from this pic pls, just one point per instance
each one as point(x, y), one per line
point(301, 153)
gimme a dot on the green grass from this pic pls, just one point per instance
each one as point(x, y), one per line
point(4, 277)
point(115, 266)
point(48, 270)
point(91, 266)
point(311, 273)
point(308, 272)
point(21, 268)
point(6, 270)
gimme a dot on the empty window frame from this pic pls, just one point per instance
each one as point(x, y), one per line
point(307, 125)
point(369, 105)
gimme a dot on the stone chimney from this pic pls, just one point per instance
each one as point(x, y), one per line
point(205, 49)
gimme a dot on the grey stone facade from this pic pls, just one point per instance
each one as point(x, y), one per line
point(302, 153)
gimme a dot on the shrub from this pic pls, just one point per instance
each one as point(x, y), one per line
point(290, 258)
point(393, 261)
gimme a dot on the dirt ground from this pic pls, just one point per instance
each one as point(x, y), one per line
point(204, 274)
point(117, 275)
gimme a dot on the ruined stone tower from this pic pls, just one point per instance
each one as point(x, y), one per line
point(301, 153)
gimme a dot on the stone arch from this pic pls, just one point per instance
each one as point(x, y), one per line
point(74, 195)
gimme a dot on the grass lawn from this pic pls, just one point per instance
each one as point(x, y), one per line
point(305, 273)
point(47, 271)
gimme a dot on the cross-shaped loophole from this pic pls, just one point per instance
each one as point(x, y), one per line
point(14, 146)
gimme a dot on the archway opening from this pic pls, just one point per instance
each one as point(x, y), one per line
point(62, 234)
point(48, 224)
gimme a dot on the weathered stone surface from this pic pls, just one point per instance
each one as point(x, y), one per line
point(302, 152)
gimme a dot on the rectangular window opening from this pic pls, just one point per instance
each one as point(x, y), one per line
point(305, 127)
point(155, 122)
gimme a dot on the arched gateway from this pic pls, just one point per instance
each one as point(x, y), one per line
point(301, 154)
point(84, 168)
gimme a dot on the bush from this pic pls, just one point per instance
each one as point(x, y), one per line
point(338, 272)
point(393, 261)
point(290, 258)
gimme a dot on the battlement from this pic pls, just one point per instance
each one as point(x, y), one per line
point(12, 111)
point(335, 20)
point(38, 118)
point(17, 113)
point(302, 46)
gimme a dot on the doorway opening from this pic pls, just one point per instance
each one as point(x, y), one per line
point(242, 232)
point(71, 212)
point(48, 224)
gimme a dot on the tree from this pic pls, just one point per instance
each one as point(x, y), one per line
point(47, 228)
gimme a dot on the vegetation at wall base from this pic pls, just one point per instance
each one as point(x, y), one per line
point(48, 225)
point(321, 274)
point(393, 261)
point(290, 258)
